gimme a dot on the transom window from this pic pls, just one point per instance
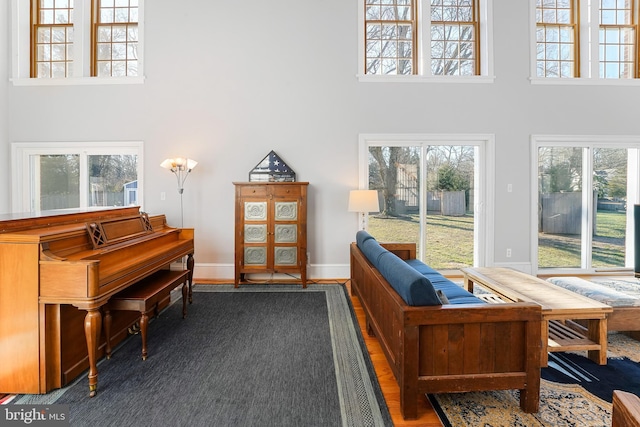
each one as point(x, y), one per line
point(53, 33)
point(618, 39)
point(556, 37)
point(390, 26)
point(116, 42)
point(63, 42)
point(454, 37)
point(591, 39)
point(436, 38)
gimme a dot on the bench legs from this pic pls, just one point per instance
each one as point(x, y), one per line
point(144, 322)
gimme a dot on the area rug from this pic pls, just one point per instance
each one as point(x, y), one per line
point(574, 391)
point(260, 355)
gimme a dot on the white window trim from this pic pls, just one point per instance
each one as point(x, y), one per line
point(589, 67)
point(21, 49)
point(424, 10)
point(633, 190)
point(484, 178)
point(20, 159)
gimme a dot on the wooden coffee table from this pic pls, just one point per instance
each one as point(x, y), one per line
point(559, 308)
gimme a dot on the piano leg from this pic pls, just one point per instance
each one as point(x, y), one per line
point(92, 327)
point(190, 263)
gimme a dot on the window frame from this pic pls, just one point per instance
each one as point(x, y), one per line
point(21, 179)
point(483, 251)
point(21, 49)
point(36, 26)
point(574, 24)
point(475, 24)
point(634, 25)
point(633, 193)
point(423, 54)
point(588, 71)
point(96, 25)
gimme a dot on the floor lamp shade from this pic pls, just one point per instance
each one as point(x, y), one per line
point(363, 201)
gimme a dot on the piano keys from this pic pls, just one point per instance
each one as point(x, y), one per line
point(57, 270)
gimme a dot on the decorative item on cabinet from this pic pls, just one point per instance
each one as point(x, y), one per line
point(272, 169)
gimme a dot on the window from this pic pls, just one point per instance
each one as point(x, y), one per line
point(618, 39)
point(586, 188)
point(432, 187)
point(61, 42)
point(53, 38)
point(391, 27)
point(454, 37)
point(428, 39)
point(116, 33)
point(72, 175)
point(589, 39)
point(556, 35)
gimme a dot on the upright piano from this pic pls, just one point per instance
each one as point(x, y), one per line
point(57, 269)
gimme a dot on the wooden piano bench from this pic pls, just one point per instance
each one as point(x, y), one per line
point(144, 297)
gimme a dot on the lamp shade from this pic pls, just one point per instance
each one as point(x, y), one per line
point(363, 201)
point(179, 163)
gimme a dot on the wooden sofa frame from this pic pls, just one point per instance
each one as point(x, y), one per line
point(449, 348)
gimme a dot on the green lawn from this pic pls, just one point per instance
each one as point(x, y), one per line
point(450, 240)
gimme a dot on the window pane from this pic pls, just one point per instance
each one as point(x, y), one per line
point(617, 38)
point(555, 36)
point(452, 24)
point(59, 184)
point(610, 185)
point(389, 37)
point(111, 179)
point(54, 37)
point(395, 173)
point(450, 198)
point(560, 207)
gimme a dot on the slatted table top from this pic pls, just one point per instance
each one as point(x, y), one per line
point(521, 287)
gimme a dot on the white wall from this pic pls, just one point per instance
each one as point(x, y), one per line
point(5, 150)
point(226, 82)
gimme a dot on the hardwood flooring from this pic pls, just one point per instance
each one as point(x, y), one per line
point(426, 415)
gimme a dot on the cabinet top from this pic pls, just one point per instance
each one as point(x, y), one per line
point(271, 183)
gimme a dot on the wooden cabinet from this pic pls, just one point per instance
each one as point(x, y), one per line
point(271, 229)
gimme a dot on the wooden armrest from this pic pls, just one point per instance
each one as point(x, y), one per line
point(626, 409)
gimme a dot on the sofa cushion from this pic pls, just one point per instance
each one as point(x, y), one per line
point(596, 291)
point(456, 294)
point(361, 237)
point(372, 250)
point(413, 287)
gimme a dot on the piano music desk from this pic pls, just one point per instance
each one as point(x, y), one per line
point(145, 297)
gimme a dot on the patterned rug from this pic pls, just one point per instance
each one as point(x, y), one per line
point(561, 404)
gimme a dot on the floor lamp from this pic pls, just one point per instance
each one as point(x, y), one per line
point(363, 201)
point(181, 167)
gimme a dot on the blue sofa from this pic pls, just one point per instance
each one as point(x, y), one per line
point(417, 283)
point(436, 336)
